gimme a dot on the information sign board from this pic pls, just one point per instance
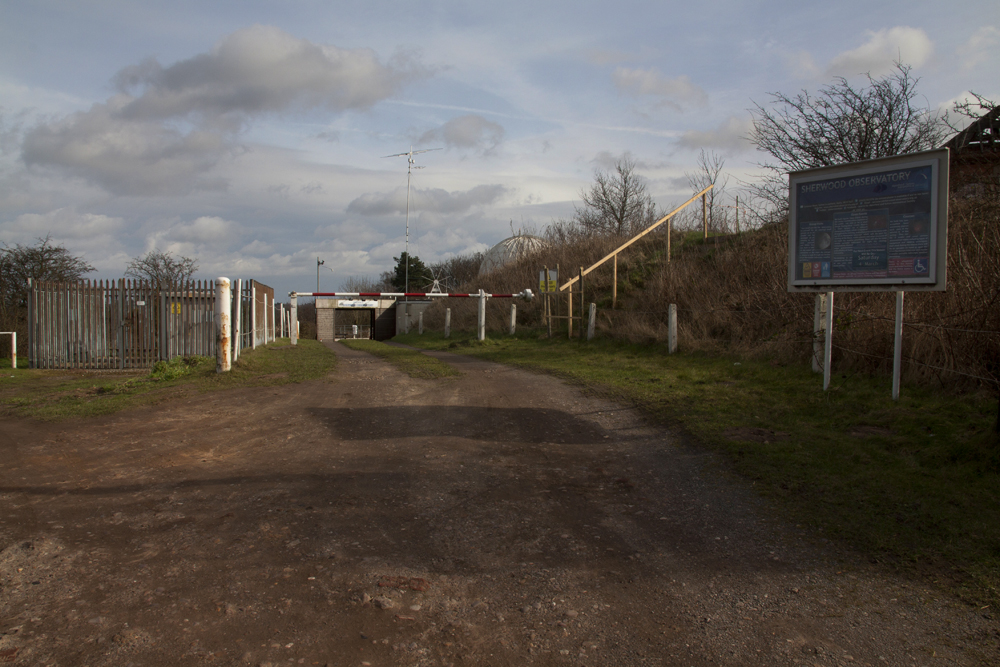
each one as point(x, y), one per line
point(874, 225)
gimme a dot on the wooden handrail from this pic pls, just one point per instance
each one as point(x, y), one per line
point(635, 238)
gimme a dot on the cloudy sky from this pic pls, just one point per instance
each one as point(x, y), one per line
point(250, 135)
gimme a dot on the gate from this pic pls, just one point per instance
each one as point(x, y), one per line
point(129, 324)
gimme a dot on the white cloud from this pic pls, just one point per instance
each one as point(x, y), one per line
point(125, 157)
point(981, 46)
point(469, 131)
point(676, 92)
point(206, 229)
point(885, 47)
point(729, 137)
point(133, 144)
point(62, 224)
point(432, 199)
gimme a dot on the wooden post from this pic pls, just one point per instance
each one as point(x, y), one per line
point(672, 328)
point(737, 215)
point(548, 307)
point(614, 284)
point(670, 226)
point(569, 313)
point(581, 302)
point(704, 213)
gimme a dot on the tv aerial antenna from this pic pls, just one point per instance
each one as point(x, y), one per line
point(410, 166)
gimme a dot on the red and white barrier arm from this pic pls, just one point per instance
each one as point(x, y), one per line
point(526, 294)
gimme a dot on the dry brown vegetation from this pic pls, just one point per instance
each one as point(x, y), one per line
point(731, 296)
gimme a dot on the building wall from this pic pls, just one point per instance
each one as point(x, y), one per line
point(324, 323)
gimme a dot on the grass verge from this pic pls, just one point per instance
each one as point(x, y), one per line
point(411, 362)
point(911, 482)
point(51, 394)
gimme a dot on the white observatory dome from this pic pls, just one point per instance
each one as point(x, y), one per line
point(510, 250)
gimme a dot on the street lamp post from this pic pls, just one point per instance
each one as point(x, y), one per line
point(319, 263)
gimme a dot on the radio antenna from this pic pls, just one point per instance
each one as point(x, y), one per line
point(410, 166)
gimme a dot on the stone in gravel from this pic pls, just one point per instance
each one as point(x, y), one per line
point(572, 614)
point(382, 602)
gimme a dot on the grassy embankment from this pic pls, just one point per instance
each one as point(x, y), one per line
point(912, 483)
point(409, 361)
point(57, 394)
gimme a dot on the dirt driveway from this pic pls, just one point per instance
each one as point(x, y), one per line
point(497, 518)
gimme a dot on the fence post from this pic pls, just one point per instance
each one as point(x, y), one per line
point(614, 284)
point(238, 320)
point(223, 362)
point(482, 316)
point(406, 318)
point(420, 323)
point(253, 315)
point(671, 328)
point(818, 315)
point(447, 322)
point(828, 343)
point(591, 321)
point(295, 319)
point(897, 353)
point(513, 318)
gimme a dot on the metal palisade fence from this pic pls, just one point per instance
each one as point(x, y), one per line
point(129, 324)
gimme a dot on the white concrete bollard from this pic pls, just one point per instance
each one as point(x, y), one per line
point(223, 328)
point(420, 323)
point(447, 322)
point(295, 319)
point(481, 319)
point(513, 318)
point(591, 321)
point(672, 328)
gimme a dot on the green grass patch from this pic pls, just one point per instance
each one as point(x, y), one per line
point(913, 482)
point(52, 394)
point(412, 362)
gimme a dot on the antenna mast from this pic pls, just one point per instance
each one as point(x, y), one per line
point(410, 166)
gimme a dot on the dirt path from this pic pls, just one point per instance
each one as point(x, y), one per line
point(497, 518)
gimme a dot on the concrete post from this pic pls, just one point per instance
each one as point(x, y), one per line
point(406, 318)
point(223, 328)
point(591, 321)
point(513, 318)
point(672, 328)
point(295, 318)
point(897, 353)
point(13, 349)
point(482, 316)
point(267, 338)
point(420, 323)
point(447, 322)
point(828, 343)
point(818, 316)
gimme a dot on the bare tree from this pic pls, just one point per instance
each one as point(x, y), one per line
point(42, 261)
point(843, 123)
point(710, 173)
point(617, 204)
point(161, 268)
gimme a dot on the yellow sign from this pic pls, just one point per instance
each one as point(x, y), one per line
point(175, 308)
point(550, 285)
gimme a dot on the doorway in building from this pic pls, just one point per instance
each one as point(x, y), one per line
point(354, 323)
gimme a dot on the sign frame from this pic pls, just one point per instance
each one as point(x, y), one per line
point(859, 175)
